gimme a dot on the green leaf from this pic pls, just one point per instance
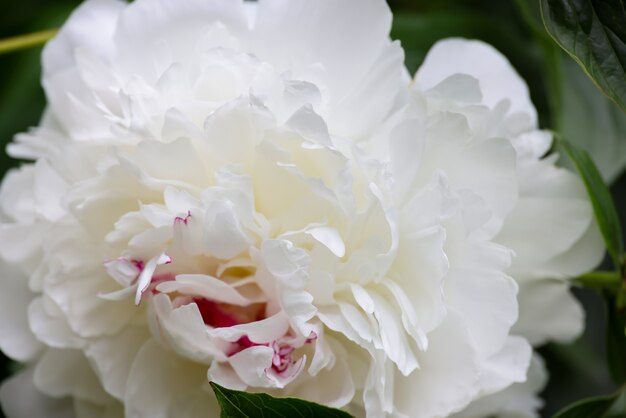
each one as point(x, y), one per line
point(616, 341)
point(589, 408)
point(592, 122)
point(236, 404)
point(580, 112)
point(601, 200)
point(593, 32)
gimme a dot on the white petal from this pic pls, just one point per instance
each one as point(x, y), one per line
point(148, 30)
point(264, 331)
point(459, 88)
point(286, 262)
point(336, 320)
point(206, 287)
point(562, 239)
point(334, 386)
point(447, 377)
point(16, 339)
point(68, 373)
point(498, 80)
point(85, 409)
point(90, 27)
point(18, 200)
point(47, 322)
point(486, 297)
point(224, 237)
point(156, 372)
point(122, 270)
point(224, 375)
point(335, 59)
point(330, 238)
point(548, 312)
point(405, 149)
point(21, 399)
point(539, 229)
point(48, 189)
point(25, 241)
point(580, 258)
point(251, 366)
point(520, 400)
point(419, 271)
point(492, 164)
point(508, 366)
point(156, 158)
point(145, 278)
point(78, 295)
point(184, 330)
point(113, 355)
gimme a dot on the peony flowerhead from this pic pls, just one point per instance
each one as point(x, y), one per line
point(256, 194)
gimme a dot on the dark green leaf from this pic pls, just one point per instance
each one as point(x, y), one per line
point(236, 404)
point(593, 32)
point(616, 342)
point(589, 408)
point(603, 206)
point(592, 122)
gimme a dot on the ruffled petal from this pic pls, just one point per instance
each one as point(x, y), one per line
point(498, 80)
point(16, 339)
point(21, 399)
point(157, 371)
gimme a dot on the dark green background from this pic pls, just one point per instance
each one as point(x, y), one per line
point(577, 371)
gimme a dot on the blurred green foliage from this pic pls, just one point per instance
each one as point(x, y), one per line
point(21, 97)
point(577, 371)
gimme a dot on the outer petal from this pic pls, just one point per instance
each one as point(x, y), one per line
point(498, 80)
point(346, 55)
point(487, 299)
point(162, 385)
point(153, 34)
point(113, 356)
point(517, 401)
point(85, 409)
point(67, 373)
point(84, 41)
point(50, 326)
point(447, 378)
point(491, 162)
point(21, 399)
point(548, 312)
point(183, 329)
point(506, 367)
point(90, 27)
point(352, 51)
point(16, 338)
point(551, 229)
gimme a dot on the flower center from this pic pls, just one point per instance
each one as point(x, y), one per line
point(221, 315)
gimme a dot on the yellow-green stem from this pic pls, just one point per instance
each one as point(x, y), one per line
point(30, 40)
point(600, 280)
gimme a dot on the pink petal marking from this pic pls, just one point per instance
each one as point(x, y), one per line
point(145, 277)
point(282, 356)
point(222, 315)
point(181, 219)
point(139, 264)
point(160, 278)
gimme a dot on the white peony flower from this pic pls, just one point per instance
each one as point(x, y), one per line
point(551, 227)
point(252, 195)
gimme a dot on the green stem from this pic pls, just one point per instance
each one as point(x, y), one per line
point(600, 280)
point(26, 41)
